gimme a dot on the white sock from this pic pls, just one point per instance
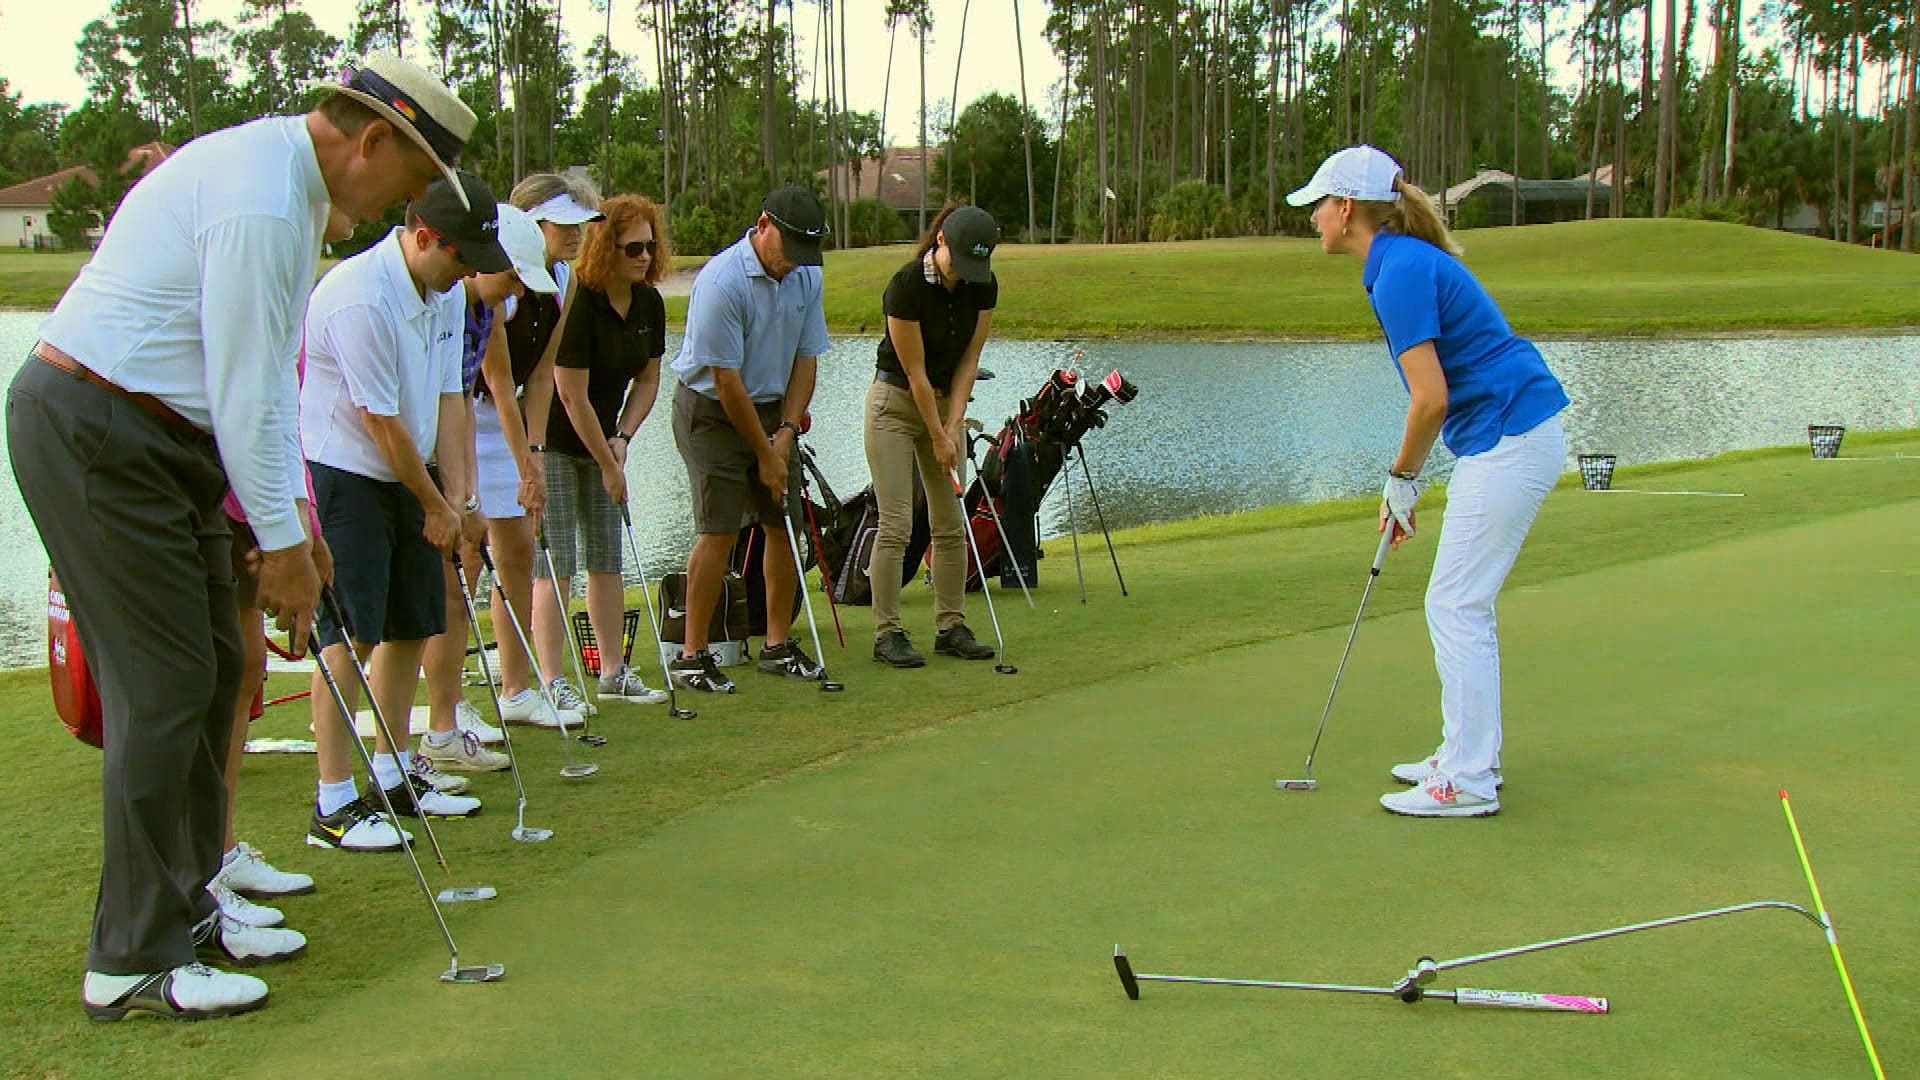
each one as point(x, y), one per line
point(441, 738)
point(101, 989)
point(387, 771)
point(335, 796)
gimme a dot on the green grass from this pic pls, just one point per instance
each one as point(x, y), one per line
point(1624, 278)
point(923, 876)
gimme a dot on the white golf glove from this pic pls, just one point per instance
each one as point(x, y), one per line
point(1398, 499)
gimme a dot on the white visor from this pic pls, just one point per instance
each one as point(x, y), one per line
point(562, 209)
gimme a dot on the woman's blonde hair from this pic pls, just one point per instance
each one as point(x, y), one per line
point(1412, 215)
point(537, 188)
point(594, 267)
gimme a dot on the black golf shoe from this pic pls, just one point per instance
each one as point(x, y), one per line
point(789, 661)
point(699, 672)
point(893, 649)
point(959, 641)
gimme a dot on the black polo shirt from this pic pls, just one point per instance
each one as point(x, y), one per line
point(614, 351)
point(534, 317)
point(947, 319)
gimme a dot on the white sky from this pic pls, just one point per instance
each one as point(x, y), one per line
point(37, 49)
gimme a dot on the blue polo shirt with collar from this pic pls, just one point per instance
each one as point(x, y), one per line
point(739, 317)
point(1497, 382)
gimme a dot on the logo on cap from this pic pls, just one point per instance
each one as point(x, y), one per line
point(982, 250)
point(490, 226)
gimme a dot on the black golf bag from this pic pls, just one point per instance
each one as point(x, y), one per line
point(834, 535)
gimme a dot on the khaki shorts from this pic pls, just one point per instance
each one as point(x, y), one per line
point(722, 473)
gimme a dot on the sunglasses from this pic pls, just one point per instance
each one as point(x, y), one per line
point(443, 241)
point(638, 248)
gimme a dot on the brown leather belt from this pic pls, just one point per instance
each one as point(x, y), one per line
point(146, 403)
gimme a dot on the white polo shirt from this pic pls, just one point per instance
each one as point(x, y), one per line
point(195, 297)
point(373, 343)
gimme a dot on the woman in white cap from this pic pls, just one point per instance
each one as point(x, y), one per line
point(515, 460)
point(1490, 396)
point(939, 309)
point(456, 733)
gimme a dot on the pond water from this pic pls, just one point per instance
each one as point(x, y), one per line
point(1219, 428)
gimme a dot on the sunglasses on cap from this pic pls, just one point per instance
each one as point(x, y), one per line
point(637, 248)
point(792, 228)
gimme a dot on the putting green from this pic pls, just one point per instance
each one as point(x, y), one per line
point(946, 906)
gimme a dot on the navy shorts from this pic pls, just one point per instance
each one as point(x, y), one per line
point(389, 579)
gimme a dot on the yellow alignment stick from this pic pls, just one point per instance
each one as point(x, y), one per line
point(1832, 942)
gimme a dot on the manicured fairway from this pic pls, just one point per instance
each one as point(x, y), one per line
point(741, 896)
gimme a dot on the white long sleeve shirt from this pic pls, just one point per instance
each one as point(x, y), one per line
point(196, 296)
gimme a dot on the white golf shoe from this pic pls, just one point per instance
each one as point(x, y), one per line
point(188, 992)
point(1437, 797)
point(1416, 772)
point(248, 873)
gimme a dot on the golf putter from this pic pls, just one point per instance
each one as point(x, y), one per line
point(800, 581)
point(653, 619)
point(520, 830)
point(568, 767)
point(1407, 990)
point(1307, 782)
point(456, 972)
point(1000, 658)
point(451, 894)
point(573, 643)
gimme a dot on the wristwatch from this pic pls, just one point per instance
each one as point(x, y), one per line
point(473, 503)
point(795, 428)
point(621, 435)
point(1402, 475)
point(536, 448)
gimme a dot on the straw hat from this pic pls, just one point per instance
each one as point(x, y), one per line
point(416, 104)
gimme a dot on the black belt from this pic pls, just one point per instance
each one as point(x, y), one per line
point(895, 378)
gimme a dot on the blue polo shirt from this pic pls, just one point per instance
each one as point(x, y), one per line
point(1497, 383)
point(739, 317)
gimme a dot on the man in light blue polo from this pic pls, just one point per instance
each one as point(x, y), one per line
point(755, 328)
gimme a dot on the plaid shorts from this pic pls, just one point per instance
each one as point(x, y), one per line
point(577, 506)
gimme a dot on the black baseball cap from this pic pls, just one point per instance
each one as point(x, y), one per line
point(971, 234)
point(801, 221)
point(474, 234)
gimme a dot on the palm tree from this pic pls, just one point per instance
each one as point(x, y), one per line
point(1026, 121)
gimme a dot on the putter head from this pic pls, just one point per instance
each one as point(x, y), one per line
point(1127, 981)
point(682, 714)
point(474, 973)
point(579, 772)
point(531, 836)
point(828, 686)
point(593, 740)
point(468, 894)
point(1006, 669)
point(1297, 785)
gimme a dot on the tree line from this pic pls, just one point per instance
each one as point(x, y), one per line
point(1175, 119)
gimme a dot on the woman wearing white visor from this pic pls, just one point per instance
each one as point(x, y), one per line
point(1489, 395)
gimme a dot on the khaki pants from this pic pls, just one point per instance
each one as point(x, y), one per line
point(897, 440)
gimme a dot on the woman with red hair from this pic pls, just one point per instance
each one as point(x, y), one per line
point(606, 375)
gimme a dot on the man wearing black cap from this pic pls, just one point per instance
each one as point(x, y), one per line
point(755, 327)
point(383, 396)
point(166, 374)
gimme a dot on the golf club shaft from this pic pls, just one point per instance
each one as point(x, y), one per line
point(820, 558)
point(1094, 494)
point(1833, 943)
point(533, 663)
point(486, 671)
point(1073, 530)
point(653, 617)
point(566, 619)
point(1373, 575)
point(800, 579)
point(339, 616)
point(353, 736)
point(1599, 935)
point(973, 545)
point(1335, 988)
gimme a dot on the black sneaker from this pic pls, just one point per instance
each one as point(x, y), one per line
point(699, 672)
point(432, 802)
point(959, 641)
point(788, 660)
point(894, 649)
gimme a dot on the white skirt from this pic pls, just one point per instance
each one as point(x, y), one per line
point(499, 476)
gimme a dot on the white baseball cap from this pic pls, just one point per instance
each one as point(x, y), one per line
point(564, 209)
point(1358, 172)
point(527, 248)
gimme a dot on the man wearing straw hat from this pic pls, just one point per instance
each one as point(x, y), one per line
point(165, 374)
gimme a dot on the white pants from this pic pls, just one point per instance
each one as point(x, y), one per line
point(1491, 503)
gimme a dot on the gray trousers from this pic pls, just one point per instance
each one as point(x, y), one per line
point(129, 511)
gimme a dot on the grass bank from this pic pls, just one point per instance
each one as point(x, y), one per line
point(1598, 278)
point(921, 876)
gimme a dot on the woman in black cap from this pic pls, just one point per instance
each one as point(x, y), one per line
point(939, 309)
